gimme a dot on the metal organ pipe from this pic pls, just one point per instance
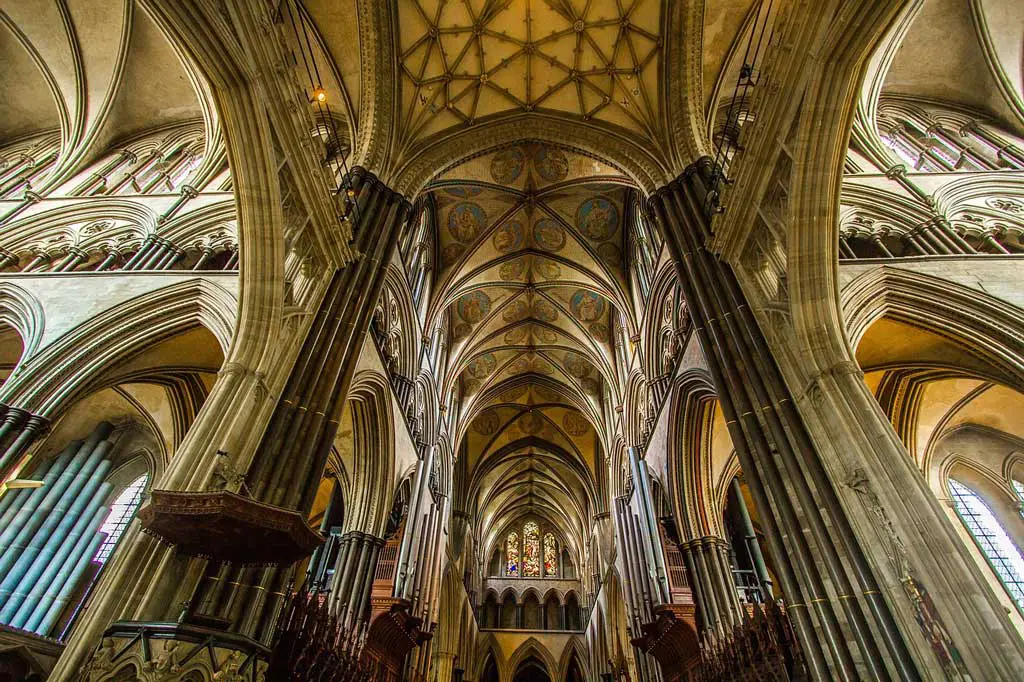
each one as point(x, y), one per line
point(50, 534)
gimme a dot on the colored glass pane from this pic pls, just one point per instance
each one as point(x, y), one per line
point(531, 550)
point(1000, 551)
point(550, 555)
point(512, 555)
point(1019, 487)
point(122, 511)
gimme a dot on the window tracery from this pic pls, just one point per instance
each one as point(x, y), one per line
point(122, 511)
point(532, 552)
point(988, 533)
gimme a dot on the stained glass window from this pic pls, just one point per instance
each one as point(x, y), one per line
point(1006, 560)
point(512, 555)
point(1019, 488)
point(531, 550)
point(122, 511)
point(550, 555)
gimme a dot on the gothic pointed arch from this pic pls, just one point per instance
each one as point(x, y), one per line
point(106, 339)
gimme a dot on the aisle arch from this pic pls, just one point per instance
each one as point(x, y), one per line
point(69, 366)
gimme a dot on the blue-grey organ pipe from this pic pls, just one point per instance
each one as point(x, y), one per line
point(65, 583)
point(66, 467)
point(85, 526)
point(32, 598)
point(18, 583)
point(57, 501)
point(56, 469)
point(10, 500)
point(49, 535)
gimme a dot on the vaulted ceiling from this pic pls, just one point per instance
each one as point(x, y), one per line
point(529, 245)
point(96, 72)
point(464, 60)
point(964, 53)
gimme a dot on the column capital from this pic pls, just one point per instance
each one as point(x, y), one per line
point(15, 415)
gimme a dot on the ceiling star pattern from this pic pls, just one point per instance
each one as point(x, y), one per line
point(463, 61)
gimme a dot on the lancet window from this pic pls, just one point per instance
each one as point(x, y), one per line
point(122, 511)
point(532, 552)
point(512, 555)
point(995, 544)
point(550, 555)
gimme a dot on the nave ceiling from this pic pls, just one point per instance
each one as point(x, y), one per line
point(529, 244)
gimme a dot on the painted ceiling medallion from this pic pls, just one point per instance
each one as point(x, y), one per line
point(474, 306)
point(514, 393)
point(576, 365)
point(530, 422)
point(544, 311)
point(597, 218)
point(516, 311)
point(451, 253)
point(483, 366)
point(508, 237)
point(487, 423)
point(550, 163)
point(512, 271)
point(575, 423)
point(548, 235)
point(466, 220)
point(599, 331)
point(507, 165)
point(586, 305)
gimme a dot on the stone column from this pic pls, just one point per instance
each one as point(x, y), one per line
point(880, 245)
point(205, 255)
point(107, 262)
point(911, 238)
point(1003, 149)
point(823, 570)
point(36, 262)
point(143, 252)
point(22, 428)
point(990, 240)
point(287, 464)
point(290, 459)
point(844, 248)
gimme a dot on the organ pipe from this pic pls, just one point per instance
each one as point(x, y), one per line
point(51, 534)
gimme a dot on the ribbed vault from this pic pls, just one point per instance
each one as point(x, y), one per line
point(531, 283)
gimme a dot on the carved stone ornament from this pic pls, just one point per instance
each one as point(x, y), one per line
point(171, 652)
point(928, 618)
